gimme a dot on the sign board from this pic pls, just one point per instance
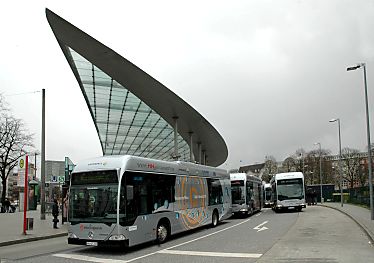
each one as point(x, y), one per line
point(21, 171)
point(61, 179)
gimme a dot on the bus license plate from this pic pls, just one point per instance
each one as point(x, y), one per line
point(291, 207)
point(91, 244)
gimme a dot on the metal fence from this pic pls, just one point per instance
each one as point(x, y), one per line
point(359, 195)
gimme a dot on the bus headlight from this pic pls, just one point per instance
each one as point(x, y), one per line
point(279, 206)
point(72, 235)
point(117, 237)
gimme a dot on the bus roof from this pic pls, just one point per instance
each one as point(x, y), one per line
point(243, 176)
point(289, 175)
point(141, 164)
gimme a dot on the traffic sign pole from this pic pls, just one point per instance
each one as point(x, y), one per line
point(25, 196)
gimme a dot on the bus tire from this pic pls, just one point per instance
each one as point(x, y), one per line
point(215, 218)
point(251, 211)
point(162, 231)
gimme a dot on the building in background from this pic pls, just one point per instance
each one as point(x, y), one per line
point(54, 179)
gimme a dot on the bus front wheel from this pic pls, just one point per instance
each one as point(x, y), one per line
point(215, 219)
point(162, 232)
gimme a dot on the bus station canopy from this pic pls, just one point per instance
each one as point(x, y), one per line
point(134, 113)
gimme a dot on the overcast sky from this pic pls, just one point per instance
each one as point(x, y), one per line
point(268, 75)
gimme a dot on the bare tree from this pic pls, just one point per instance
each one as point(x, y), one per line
point(351, 161)
point(270, 168)
point(14, 143)
point(299, 157)
point(362, 175)
point(289, 164)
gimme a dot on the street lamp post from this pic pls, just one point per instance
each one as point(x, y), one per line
point(363, 65)
point(340, 158)
point(42, 168)
point(320, 166)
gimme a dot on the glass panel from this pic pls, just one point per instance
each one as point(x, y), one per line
point(132, 126)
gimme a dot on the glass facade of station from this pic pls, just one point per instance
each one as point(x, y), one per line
point(125, 124)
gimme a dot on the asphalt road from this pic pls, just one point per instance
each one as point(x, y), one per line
point(317, 234)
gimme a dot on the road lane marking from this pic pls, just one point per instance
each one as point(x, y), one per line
point(187, 242)
point(90, 259)
point(210, 254)
point(259, 214)
point(103, 260)
point(260, 227)
point(208, 235)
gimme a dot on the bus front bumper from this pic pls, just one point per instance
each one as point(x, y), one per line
point(89, 242)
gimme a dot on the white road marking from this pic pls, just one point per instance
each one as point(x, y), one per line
point(262, 227)
point(193, 240)
point(259, 214)
point(208, 235)
point(90, 259)
point(210, 254)
point(103, 260)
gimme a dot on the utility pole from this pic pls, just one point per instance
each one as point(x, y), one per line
point(42, 168)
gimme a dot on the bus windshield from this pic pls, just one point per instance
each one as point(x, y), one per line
point(290, 189)
point(93, 197)
point(238, 192)
point(95, 203)
point(267, 194)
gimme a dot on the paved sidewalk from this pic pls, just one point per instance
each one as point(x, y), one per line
point(359, 214)
point(11, 228)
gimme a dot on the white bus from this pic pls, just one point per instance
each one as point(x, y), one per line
point(288, 191)
point(246, 192)
point(130, 200)
point(267, 195)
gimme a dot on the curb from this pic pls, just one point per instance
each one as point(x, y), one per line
point(362, 226)
point(24, 240)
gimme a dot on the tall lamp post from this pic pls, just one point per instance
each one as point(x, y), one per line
point(320, 166)
point(340, 159)
point(363, 66)
point(42, 167)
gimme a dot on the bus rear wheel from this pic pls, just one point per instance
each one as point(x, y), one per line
point(250, 211)
point(215, 219)
point(162, 232)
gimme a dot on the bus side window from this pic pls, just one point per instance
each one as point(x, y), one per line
point(249, 192)
point(163, 191)
point(215, 192)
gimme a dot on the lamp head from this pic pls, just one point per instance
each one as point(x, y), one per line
point(358, 65)
point(333, 120)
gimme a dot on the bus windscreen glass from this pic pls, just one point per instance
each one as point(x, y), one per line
point(268, 194)
point(93, 197)
point(237, 192)
point(290, 189)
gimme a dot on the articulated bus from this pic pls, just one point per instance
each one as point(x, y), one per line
point(129, 200)
point(288, 191)
point(246, 192)
point(267, 195)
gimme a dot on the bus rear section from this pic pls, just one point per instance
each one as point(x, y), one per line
point(246, 194)
point(288, 191)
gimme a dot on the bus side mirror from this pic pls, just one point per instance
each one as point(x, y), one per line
point(130, 192)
